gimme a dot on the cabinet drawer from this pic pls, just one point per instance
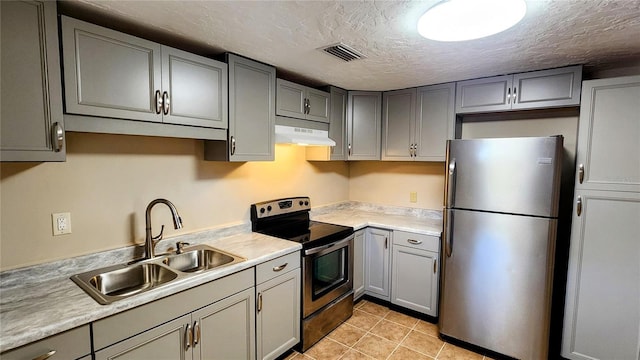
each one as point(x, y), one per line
point(270, 269)
point(417, 241)
point(71, 344)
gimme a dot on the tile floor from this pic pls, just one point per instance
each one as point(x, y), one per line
point(376, 332)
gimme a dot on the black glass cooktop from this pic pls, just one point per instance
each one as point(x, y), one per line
point(309, 233)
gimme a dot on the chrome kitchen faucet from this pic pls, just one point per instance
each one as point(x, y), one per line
point(150, 240)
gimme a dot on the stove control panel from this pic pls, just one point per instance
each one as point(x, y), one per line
point(280, 207)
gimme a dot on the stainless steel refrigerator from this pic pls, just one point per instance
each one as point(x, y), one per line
point(500, 223)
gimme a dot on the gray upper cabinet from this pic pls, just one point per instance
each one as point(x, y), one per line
point(417, 123)
point(399, 119)
point(115, 75)
point(196, 89)
point(435, 121)
point(298, 101)
point(32, 127)
point(608, 154)
point(338, 123)
point(364, 110)
point(252, 115)
point(532, 90)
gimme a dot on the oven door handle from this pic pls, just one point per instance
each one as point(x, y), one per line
point(339, 244)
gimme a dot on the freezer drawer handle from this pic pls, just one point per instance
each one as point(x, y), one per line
point(579, 205)
point(414, 242)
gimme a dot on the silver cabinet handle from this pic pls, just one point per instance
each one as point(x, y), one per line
point(279, 268)
point(509, 96)
point(165, 103)
point(414, 242)
point(188, 337)
point(57, 136)
point(386, 242)
point(45, 356)
point(158, 102)
point(349, 149)
point(434, 265)
point(259, 302)
point(515, 95)
point(581, 173)
point(415, 150)
point(579, 205)
point(196, 330)
point(411, 150)
point(233, 145)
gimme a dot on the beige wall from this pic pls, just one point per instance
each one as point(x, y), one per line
point(108, 180)
point(390, 183)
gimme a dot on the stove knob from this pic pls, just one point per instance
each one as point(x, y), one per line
point(269, 208)
point(261, 210)
point(301, 202)
point(306, 203)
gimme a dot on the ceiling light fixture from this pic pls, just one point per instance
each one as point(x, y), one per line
point(459, 20)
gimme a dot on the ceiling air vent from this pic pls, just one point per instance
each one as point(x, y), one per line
point(343, 52)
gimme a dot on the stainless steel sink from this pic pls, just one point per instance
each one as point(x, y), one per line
point(198, 260)
point(113, 283)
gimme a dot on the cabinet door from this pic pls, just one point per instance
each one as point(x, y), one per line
point(110, 74)
point(278, 318)
point(547, 88)
point(398, 124)
point(70, 344)
point(167, 341)
point(290, 99)
point(609, 129)
point(196, 88)
point(414, 283)
point(225, 330)
point(484, 95)
point(364, 109)
point(31, 91)
point(376, 278)
point(319, 105)
point(338, 123)
point(358, 264)
point(602, 306)
point(435, 121)
point(252, 97)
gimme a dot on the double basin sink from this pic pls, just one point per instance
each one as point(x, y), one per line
point(117, 282)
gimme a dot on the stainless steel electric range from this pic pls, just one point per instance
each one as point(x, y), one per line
point(327, 262)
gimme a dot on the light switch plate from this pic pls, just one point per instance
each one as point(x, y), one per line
point(61, 223)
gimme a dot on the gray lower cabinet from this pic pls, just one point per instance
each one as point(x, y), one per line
point(364, 125)
point(602, 306)
point(252, 96)
point(32, 127)
point(415, 272)
point(72, 344)
point(301, 102)
point(377, 251)
point(358, 264)
point(531, 90)
point(278, 306)
point(118, 76)
point(188, 325)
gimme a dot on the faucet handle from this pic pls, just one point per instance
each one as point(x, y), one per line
point(159, 237)
point(180, 246)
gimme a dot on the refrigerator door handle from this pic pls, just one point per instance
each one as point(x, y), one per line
point(450, 181)
point(446, 234)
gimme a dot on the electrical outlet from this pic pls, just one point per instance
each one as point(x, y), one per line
point(61, 223)
point(413, 197)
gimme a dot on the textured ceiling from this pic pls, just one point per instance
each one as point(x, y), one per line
point(287, 34)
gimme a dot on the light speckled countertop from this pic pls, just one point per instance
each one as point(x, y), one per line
point(41, 301)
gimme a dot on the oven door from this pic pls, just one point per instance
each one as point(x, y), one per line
point(328, 274)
